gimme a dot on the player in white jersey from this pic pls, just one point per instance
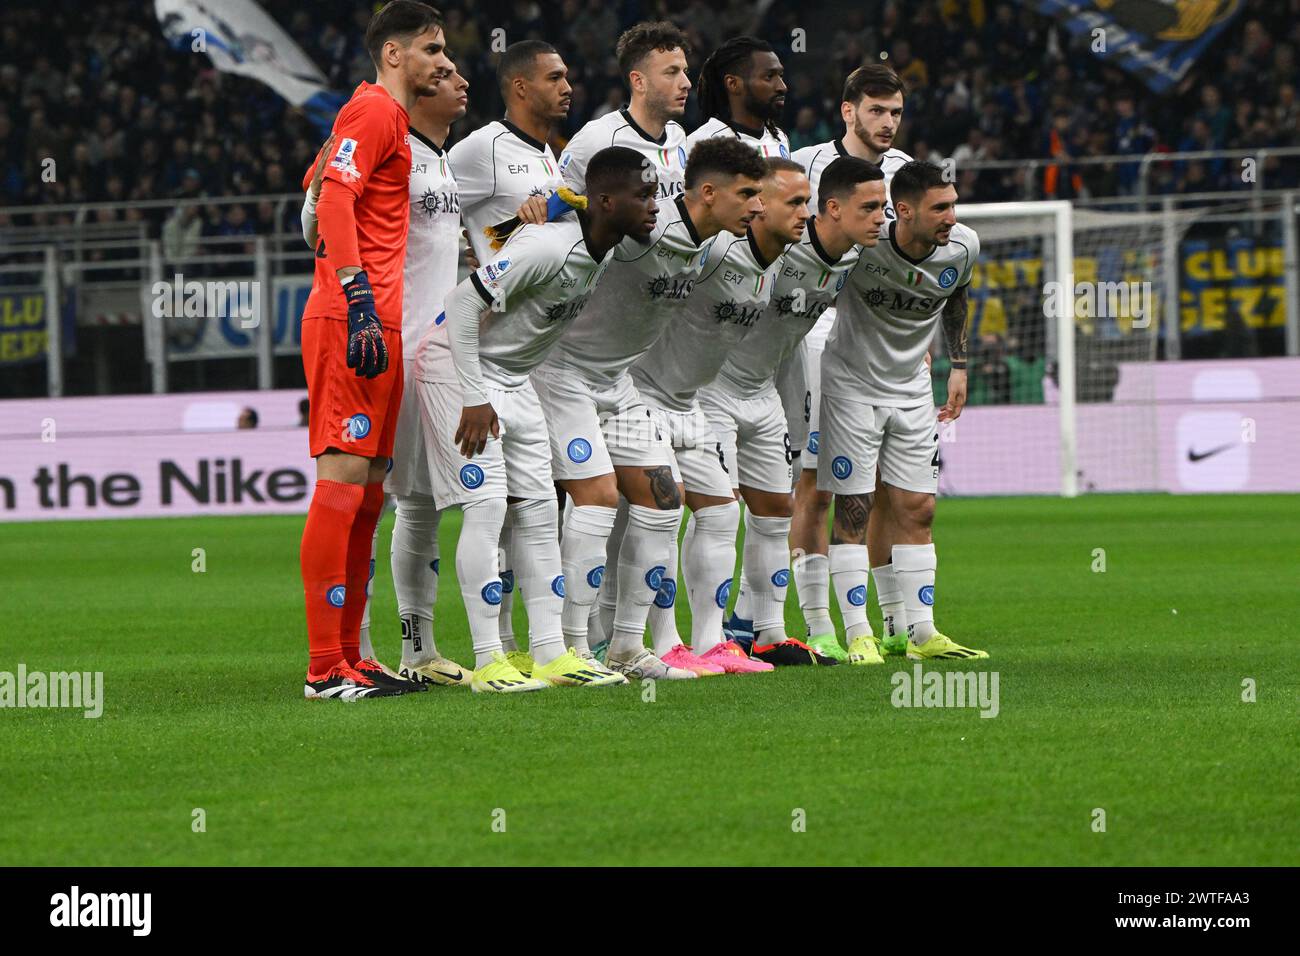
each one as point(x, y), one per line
point(432, 255)
point(504, 169)
point(603, 441)
point(745, 409)
point(652, 56)
point(726, 305)
point(502, 320)
point(877, 409)
point(742, 94)
point(872, 109)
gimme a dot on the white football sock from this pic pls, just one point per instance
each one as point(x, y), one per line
point(850, 568)
point(537, 544)
point(890, 596)
point(600, 625)
point(479, 575)
point(914, 567)
point(506, 560)
point(710, 562)
point(663, 610)
point(744, 609)
point(767, 561)
point(414, 561)
point(582, 552)
point(367, 649)
point(812, 583)
point(642, 563)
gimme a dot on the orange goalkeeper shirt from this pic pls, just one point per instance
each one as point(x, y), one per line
point(362, 212)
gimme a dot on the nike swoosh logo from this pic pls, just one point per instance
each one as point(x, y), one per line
point(1195, 456)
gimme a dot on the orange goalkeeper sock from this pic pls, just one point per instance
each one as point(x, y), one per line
point(358, 569)
point(330, 517)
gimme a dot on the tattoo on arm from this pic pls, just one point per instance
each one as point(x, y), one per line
point(850, 524)
point(664, 488)
point(954, 324)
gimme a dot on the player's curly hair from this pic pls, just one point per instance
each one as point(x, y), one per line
point(723, 156)
point(640, 40)
point(730, 58)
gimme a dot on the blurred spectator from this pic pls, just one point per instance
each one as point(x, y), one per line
point(248, 418)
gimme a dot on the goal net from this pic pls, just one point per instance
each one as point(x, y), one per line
point(1065, 316)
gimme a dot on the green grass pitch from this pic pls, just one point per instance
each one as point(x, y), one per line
point(1119, 690)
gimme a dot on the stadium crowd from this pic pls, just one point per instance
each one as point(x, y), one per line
point(126, 117)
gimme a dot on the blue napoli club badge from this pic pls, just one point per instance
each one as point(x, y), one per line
point(508, 582)
point(359, 425)
point(666, 596)
point(471, 476)
point(492, 592)
point(926, 594)
point(812, 441)
point(596, 575)
point(947, 277)
point(841, 467)
point(557, 585)
point(781, 578)
point(723, 593)
point(336, 595)
point(579, 450)
point(858, 596)
point(654, 578)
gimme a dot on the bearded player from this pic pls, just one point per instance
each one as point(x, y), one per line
point(877, 409)
point(352, 345)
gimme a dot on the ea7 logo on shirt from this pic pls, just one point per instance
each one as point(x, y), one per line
point(74, 909)
point(729, 313)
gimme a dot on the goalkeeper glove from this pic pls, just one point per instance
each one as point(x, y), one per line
point(367, 351)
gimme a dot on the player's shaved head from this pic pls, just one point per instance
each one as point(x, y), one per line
point(401, 21)
point(520, 60)
point(724, 158)
point(611, 168)
point(913, 180)
point(842, 177)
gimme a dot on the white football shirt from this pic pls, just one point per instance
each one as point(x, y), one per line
point(767, 143)
point(729, 297)
point(432, 256)
point(640, 292)
point(535, 285)
point(887, 314)
point(815, 159)
point(807, 282)
point(617, 128)
point(498, 166)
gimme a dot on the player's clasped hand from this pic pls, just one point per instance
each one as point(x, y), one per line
point(476, 423)
point(367, 351)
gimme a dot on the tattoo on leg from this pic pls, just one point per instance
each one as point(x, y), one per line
point(851, 512)
point(663, 488)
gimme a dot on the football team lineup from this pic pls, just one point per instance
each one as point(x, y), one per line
point(656, 327)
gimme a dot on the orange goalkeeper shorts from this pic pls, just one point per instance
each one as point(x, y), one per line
point(349, 413)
